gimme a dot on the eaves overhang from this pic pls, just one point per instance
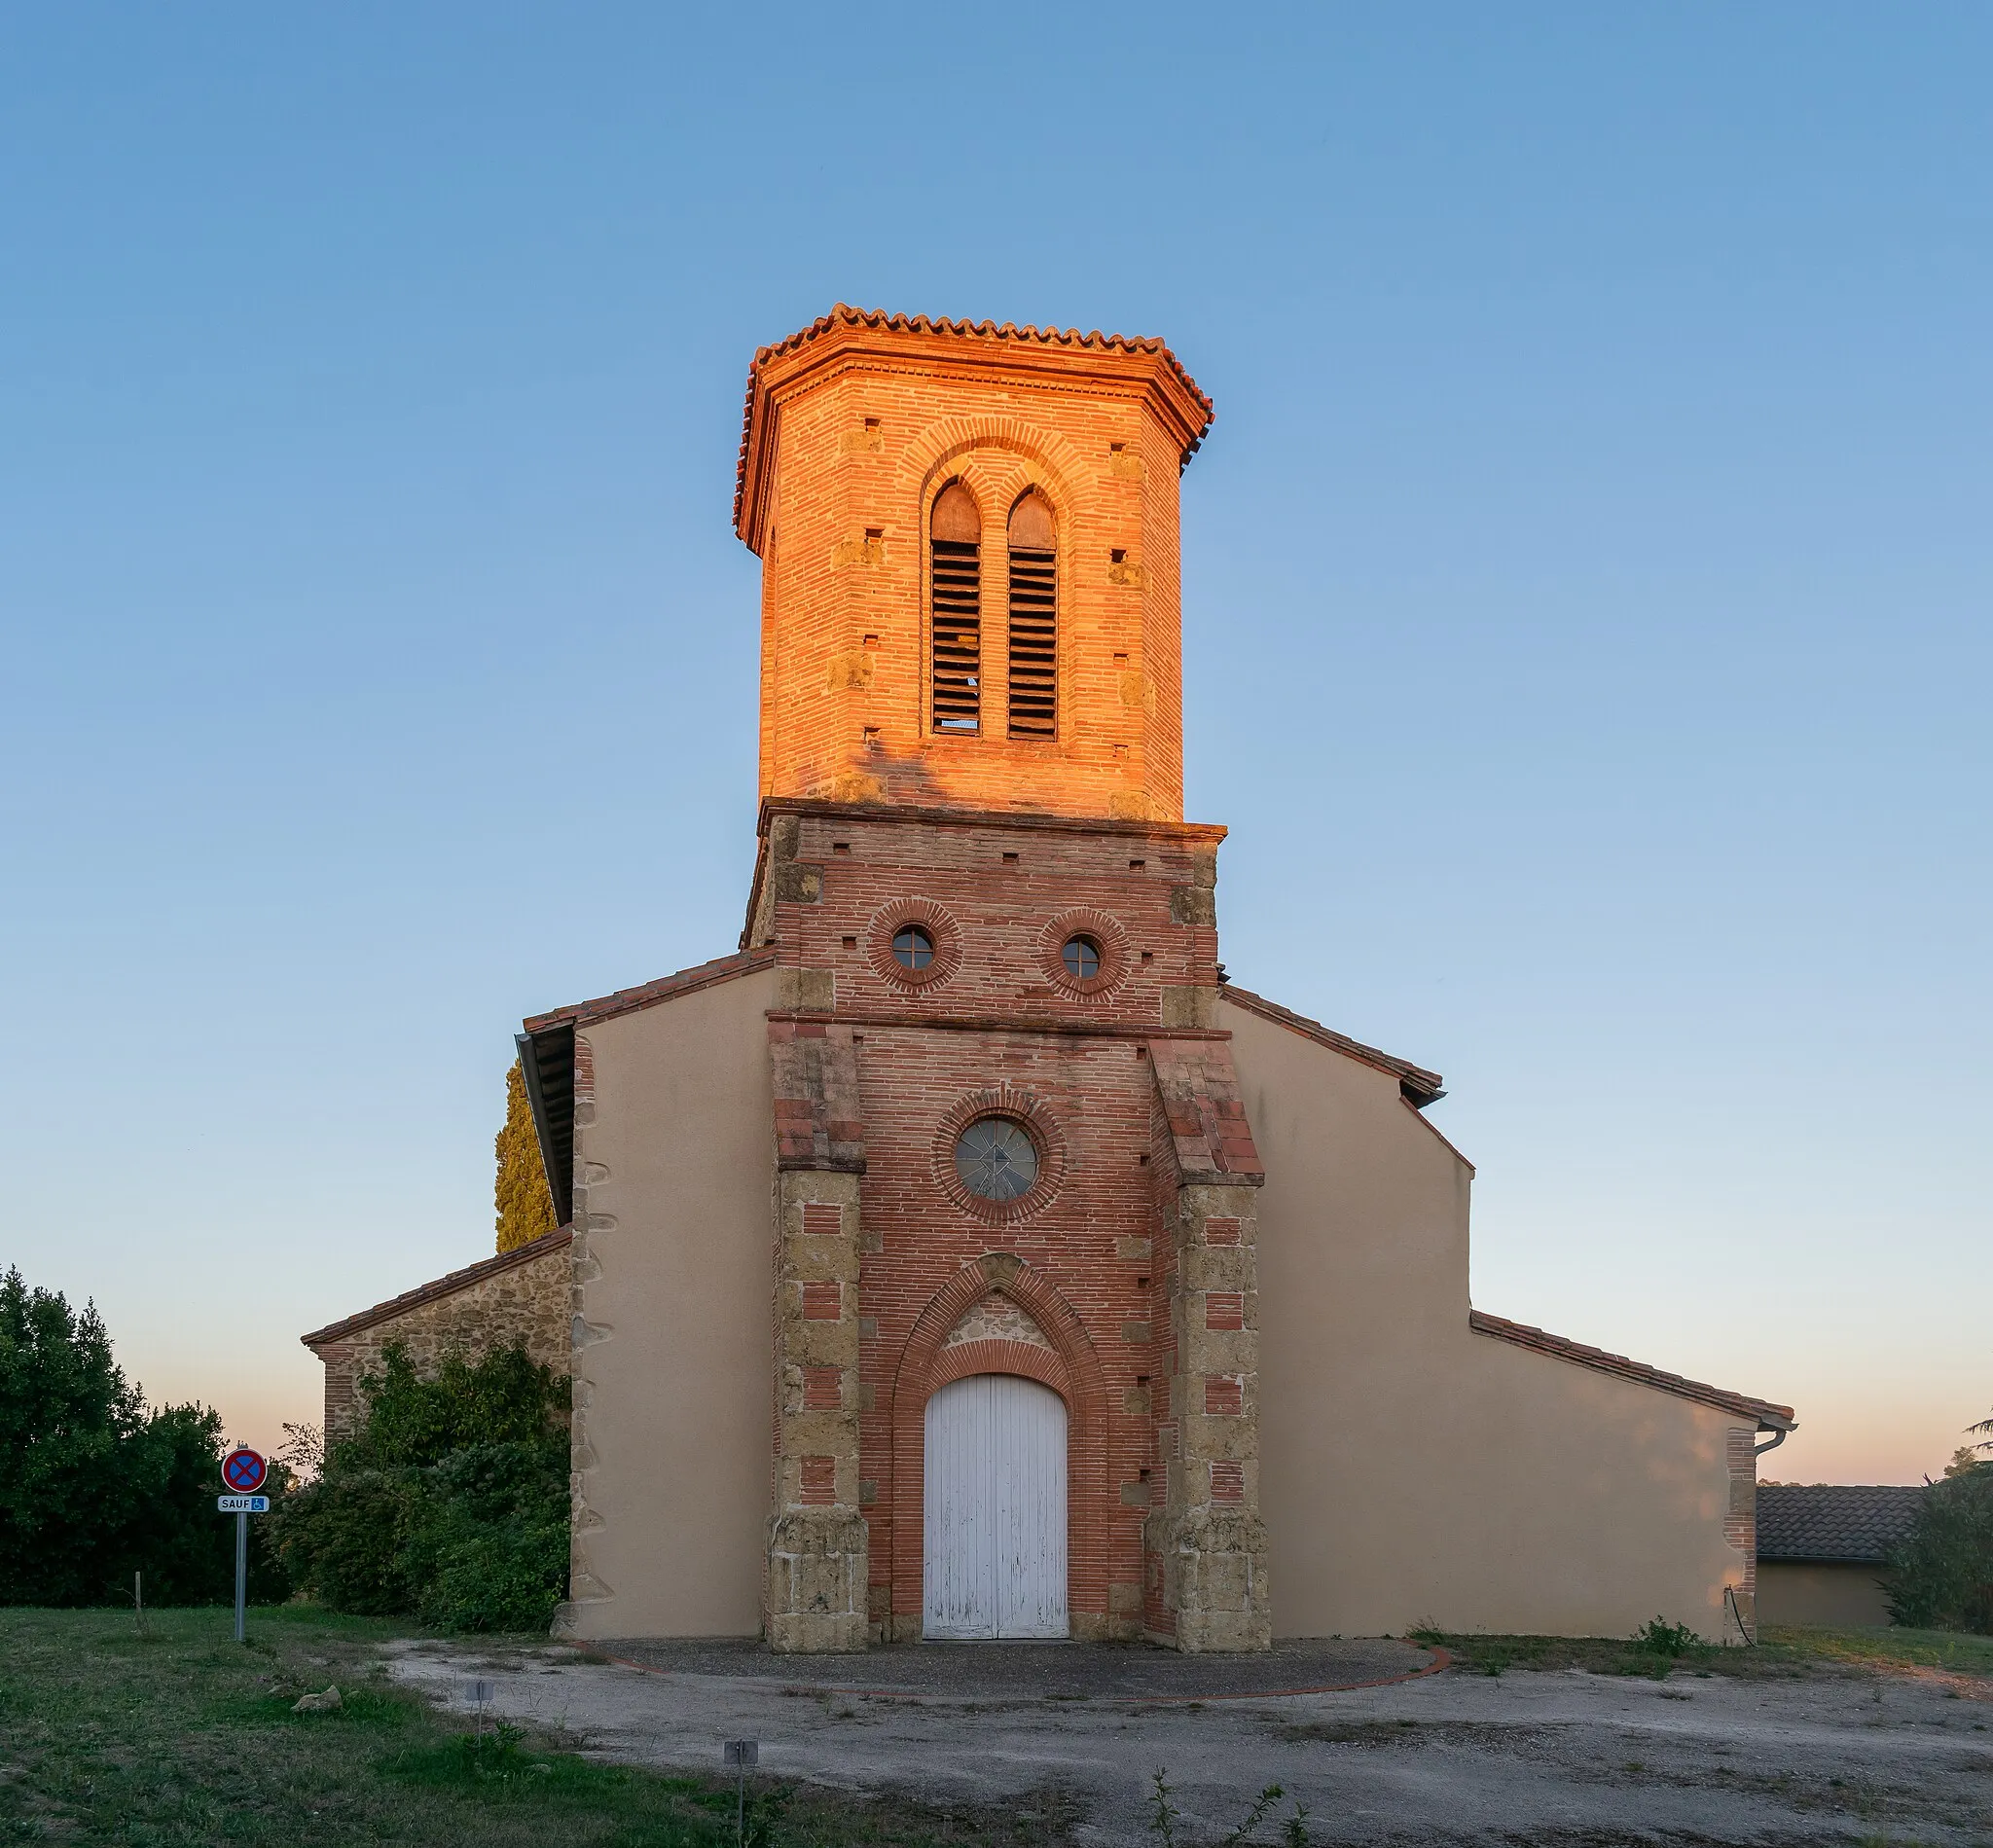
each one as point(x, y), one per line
point(1137, 366)
point(1768, 1417)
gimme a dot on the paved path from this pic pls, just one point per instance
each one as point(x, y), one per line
point(1043, 1671)
point(1554, 1760)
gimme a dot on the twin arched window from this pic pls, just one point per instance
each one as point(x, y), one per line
point(956, 593)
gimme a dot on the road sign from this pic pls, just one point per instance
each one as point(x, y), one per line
point(243, 1470)
point(740, 1754)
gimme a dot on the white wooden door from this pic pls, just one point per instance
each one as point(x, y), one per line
point(994, 1534)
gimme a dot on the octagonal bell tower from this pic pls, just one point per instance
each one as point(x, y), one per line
point(969, 537)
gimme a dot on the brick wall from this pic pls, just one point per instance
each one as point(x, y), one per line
point(1064, 1284)
point(1740, 1525)
point(859, 430)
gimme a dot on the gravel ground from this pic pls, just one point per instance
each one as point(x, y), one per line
point(1007, 1671)
point(1558, 1759)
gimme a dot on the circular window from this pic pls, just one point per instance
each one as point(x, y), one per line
point(1083, 958)
point(1084, 953)
point(997, 1159)
point(913, 944)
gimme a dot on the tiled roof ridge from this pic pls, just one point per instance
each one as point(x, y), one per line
point(843, 315)
point(1540, 1341)
point(444, 1285)
point(627, 1001)
point(1430, 1083)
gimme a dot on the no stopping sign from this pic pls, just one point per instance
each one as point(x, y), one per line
point(245, 1471)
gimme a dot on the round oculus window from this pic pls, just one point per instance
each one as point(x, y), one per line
point(995, 1159)
point(912, 947)
point(1083, 958)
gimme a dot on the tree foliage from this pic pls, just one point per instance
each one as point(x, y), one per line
point(526, 1204)
point(96, 1486)
point(1944, 1569)
point(449, 1502)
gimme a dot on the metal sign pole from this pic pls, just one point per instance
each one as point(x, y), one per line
point(241, 1567)
point(740, 1753)
point(243, 1472)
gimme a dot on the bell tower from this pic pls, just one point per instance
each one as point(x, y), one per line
point(1011, 1151)
point(969, 537)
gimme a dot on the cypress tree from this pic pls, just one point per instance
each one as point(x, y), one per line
point(526, 1204)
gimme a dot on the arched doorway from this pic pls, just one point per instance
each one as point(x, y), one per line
point(995, 1515)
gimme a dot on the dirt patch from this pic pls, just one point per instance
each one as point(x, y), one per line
point(1528, 1756)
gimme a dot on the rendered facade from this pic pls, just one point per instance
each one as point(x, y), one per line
point(965, 1255)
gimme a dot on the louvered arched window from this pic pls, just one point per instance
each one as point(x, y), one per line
point(1034, 618)
point(955, 589)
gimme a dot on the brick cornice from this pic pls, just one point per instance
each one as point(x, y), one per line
point(1188, 833)
point(1022, 1026)
point(1006, 354)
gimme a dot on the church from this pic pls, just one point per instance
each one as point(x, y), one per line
point(966, 1255)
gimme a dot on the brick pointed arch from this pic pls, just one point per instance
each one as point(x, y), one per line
point(1072, 1371)
point(928, 456)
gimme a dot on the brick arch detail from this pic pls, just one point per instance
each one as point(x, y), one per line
point(1039, 458)
point(1072, 1371)
point(1045, 1365)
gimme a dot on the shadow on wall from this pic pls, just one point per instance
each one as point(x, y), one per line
point(908, 779)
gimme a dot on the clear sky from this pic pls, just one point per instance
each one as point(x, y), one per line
point(1585, 600)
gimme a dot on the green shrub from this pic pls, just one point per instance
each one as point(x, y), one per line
point(1944, 1569)
point(1667, 1639)
point(344, 1538)
point(449, 1504)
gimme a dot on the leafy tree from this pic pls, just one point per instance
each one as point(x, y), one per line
point(96, 1486)
point(449, 1502)
point(1943, 1568)
point(525, 1203)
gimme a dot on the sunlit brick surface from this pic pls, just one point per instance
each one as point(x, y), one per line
point(852, 435)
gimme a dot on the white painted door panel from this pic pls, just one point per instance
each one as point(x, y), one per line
point(994, 1514)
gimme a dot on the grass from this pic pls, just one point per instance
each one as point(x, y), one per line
point(180, 1735)
point(1951, 1650)
point(1781, 1654)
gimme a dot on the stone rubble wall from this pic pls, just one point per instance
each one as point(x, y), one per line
point(524, 1305)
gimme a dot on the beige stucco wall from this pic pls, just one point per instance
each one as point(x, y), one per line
point(1413, 1470)
point(673, 1335)
point(1830, 1595)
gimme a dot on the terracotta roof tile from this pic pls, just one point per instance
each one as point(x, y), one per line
point(1832, 1520)
point(1768, 1416)
point(1422, 1087)
point(627, 1001)
point(544, 1246)
point(845, 315)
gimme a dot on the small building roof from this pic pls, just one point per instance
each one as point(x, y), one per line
point(1419, 1086)
point(1769, 1417)
point(1833, 1520)
point(627, 1001)
point(448, 1286)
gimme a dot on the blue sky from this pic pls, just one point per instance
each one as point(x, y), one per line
point(1586, 597)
